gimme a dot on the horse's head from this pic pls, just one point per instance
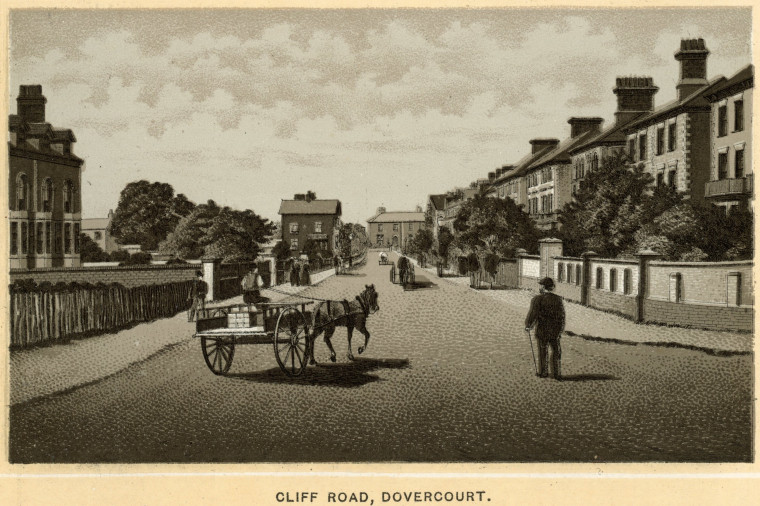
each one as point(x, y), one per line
point(369, 297)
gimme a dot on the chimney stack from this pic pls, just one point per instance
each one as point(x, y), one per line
point(491, 176)
point(30, 103)
point(579, 126)
point(693, 58)
point(380, 210)
point(539, 144)
point(635, 95)
point(299, 196)
point(310, 195)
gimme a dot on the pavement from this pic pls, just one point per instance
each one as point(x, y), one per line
point(59, 367)
point(593, 324)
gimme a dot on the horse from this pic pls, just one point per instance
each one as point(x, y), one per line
point(328, 315)
point(403, 269)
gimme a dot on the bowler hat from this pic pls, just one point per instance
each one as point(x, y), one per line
point(547, 282)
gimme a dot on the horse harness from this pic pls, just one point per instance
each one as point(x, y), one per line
point(346, 309)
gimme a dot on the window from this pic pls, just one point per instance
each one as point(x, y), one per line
point(58, 239)
point(98, 235)
point(14, 238)
point(411, 227)
point(395, 227)
point(318, 227)
point(47, 195)
point(40, 239)
point(643, 147)
point(47, 238)
point(632, 148)
point(739, 163)
point(723, 165)
point(671, 137)
point(68, 197)
point(599, 278)
point(738, 115)
point(594, 162)
point(24, 238)
point(379, 227)
point(660, 140)
point(560, 272)
point(660, 178)
point(294, 243)
point(613, 280)
point(578, 274)
point(672, 178)
point(551, 202)
point(627, 281)
point(583, 169)
point(294, 228)
point(22, 193)
point(380, 239)
point(67, 238)
point(569, 273)
point(722, 121)
point(76, 238)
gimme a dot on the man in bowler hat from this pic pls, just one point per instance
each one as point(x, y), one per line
point(548, 315)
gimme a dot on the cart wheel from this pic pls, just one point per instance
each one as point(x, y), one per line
point(218, 353)
point(393, 273)
point(291, 341)
point(410, 275)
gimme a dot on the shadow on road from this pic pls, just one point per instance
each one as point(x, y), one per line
point(354, 274)
point(346, 374)
point(589, 377)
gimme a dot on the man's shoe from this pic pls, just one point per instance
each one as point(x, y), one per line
point(542, 375)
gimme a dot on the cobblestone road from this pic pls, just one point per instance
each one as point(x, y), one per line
point(448, 376)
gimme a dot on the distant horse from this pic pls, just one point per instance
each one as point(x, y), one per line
point(403, 269)
point(350, 314)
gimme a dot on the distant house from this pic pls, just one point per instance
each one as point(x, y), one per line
point(97, 230)
point(306, 218)
point(395, 228)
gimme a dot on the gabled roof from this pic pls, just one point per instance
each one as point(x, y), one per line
point(40, 129)
point(438, 201)
point(610, 135)
point(524, 162)
point(696, 99)
point(313, 207)
point(743, 79)
point(560, 154)
point(397, 216)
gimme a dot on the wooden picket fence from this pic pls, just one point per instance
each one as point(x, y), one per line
point(40, 315)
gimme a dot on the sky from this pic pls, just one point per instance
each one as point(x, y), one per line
point(372, 107)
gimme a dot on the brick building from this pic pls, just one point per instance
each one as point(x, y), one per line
point(437, 209)
point(395, 228)
point(512, 182)
point(635, 98)
point(306, 218)
point(673, 141)
point(731, 174)
point(44, 183)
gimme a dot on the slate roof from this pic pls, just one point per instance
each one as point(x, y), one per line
point(610, 135)
point(560, 154)
point(314, 207)
point(522, 164)
point(397, 216)
point(745, 74)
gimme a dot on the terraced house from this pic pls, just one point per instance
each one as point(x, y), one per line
point(44, 182)
point(731, 174)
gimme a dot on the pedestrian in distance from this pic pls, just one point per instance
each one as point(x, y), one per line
point(294, 273)
point(305, 275)
point(252, 284)
point(198, 292)
point(548, 315)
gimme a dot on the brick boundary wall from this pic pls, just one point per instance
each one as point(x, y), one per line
point(615, 302)
point(128, 276)
point(568, 291)
point(700, 316)
point(529, 283)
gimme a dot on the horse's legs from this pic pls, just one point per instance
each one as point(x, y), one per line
point(349, 332)
point(329, 330)
point(312, 340)
point(361, 325)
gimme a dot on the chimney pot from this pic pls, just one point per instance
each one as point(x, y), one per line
point(491, 176)
point(539, 144)
point(30, 103)
point(693, 59)
point(635, 96)
point(580, 126)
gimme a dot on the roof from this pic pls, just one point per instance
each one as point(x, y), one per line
point(522, 164)
point(610, 135)
point(63, 134)
point(438, 201)
point(696, 99)
point(95, 223)
point(314, 207)
point(741, 80)
point(397, 216)
point(36, 129)
point(560, 154)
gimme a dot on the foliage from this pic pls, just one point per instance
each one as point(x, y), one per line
point(429, 214)
point(281, 250)
point(345, 233)
point(422, 242)
point(473, 262)
point(491, 225)
point(312, 249)
point(139, 258)
point(147, 212)
point(90, 251)
point(491, 264)
point(445, 239)
point(218, 232)
point(119, 256)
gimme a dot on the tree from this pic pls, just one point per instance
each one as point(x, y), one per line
point(345, 233)
point(219, 232)
point(422, 243)
point(312, 249)
point(90, 251)
point(491, 225)
point(445, 239)
point(281, 250)
point(147, 212)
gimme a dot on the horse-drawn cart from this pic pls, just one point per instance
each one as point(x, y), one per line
point(383, 259)
point(280, 324)
point(402, 276)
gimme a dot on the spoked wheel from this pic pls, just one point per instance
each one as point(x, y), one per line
point(291, 341)
point(393, 273)
point(410, 274)
point(218, 353)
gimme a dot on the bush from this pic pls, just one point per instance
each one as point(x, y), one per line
point(119, 256)
point(139, 258)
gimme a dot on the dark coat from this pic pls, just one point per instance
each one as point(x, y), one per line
point(547, 311)
point(199, 289)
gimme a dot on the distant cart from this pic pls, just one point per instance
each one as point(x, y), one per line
point(283, 325)
point(383, 259)
point(396, 275)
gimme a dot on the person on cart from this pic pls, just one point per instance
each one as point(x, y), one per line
point(198, 292)
point(252, 284)
point(548, 315)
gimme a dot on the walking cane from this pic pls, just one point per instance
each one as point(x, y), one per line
point(535, 366)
